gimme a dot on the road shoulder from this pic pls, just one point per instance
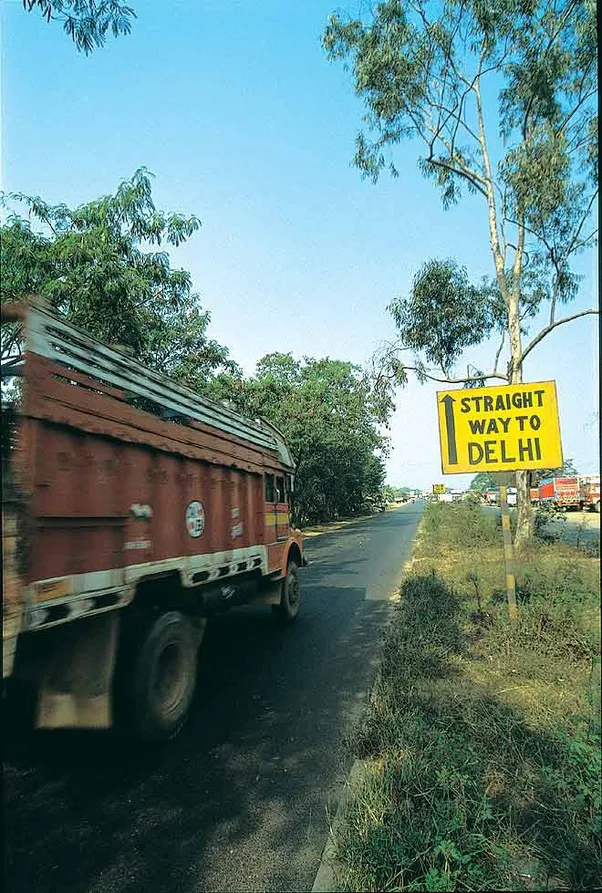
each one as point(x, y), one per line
point(324, 881)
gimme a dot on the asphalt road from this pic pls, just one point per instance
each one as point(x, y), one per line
point(240, 800)
point(578, 528)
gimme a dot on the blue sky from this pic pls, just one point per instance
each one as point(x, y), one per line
point(244, 122)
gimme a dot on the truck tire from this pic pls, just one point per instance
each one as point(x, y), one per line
point(162, 678)
point(288, 609)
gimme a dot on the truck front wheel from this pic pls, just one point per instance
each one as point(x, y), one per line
point(162, 678)
point(290, 595)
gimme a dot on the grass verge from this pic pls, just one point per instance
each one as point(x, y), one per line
point(481, 745)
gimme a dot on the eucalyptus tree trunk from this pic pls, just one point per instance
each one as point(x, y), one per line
point(524, 515)
point(511, 297)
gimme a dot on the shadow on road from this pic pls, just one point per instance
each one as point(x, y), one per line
point(249, 774)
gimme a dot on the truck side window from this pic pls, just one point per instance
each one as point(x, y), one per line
point(269, 488)
point(281, 490)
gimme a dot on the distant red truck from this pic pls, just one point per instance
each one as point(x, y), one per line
point(589, 490)
point(562, 493)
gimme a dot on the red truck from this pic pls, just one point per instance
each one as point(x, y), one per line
point(133, 509)
point(589, 491)
point(562, 493)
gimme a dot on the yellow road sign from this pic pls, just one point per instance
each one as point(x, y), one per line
point(499, 429)
point(438, 488)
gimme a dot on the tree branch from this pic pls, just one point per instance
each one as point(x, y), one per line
point(459, 171)
point(457, 117)
point(546, 331)
point(574, 110)
point(499, 350)
point(463, 380)
point(518, 258)
point(418, 9)
point(457, 167)
point(553, 300)
point(498, 258)
point(584, 217)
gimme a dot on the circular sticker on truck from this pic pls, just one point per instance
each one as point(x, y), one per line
point(195, 518)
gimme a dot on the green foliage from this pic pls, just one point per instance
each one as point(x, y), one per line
point(388, 493)
point(324, 409)
point(545, 515)
point(445, 313)
point(95, 265)
point(464, 523)
point(101, 266)
point(422, 70)
point(330, 419)
point(86, 21)
point(483, 481)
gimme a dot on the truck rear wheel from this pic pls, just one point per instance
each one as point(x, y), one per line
point(290, 595)
point(162, 678)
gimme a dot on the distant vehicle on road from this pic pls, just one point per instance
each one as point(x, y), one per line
point(589, 492)
point(136, 509)
point(562, 493)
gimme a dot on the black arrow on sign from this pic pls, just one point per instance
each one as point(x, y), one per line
point(450, 424)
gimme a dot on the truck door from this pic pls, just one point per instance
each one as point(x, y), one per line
point(270, 508)
point(282, 516)
point(276, 508)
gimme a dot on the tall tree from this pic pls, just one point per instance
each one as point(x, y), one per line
point(87, 22)
point(428, 70)
point(95, 265)
point(483, 481)
point(331, 421)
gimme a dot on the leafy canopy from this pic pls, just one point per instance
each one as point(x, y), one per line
point(501, 98)
point(329, 416)
point(446, 313)
point(483, 481)
point(87, 22)
point(101, 266)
